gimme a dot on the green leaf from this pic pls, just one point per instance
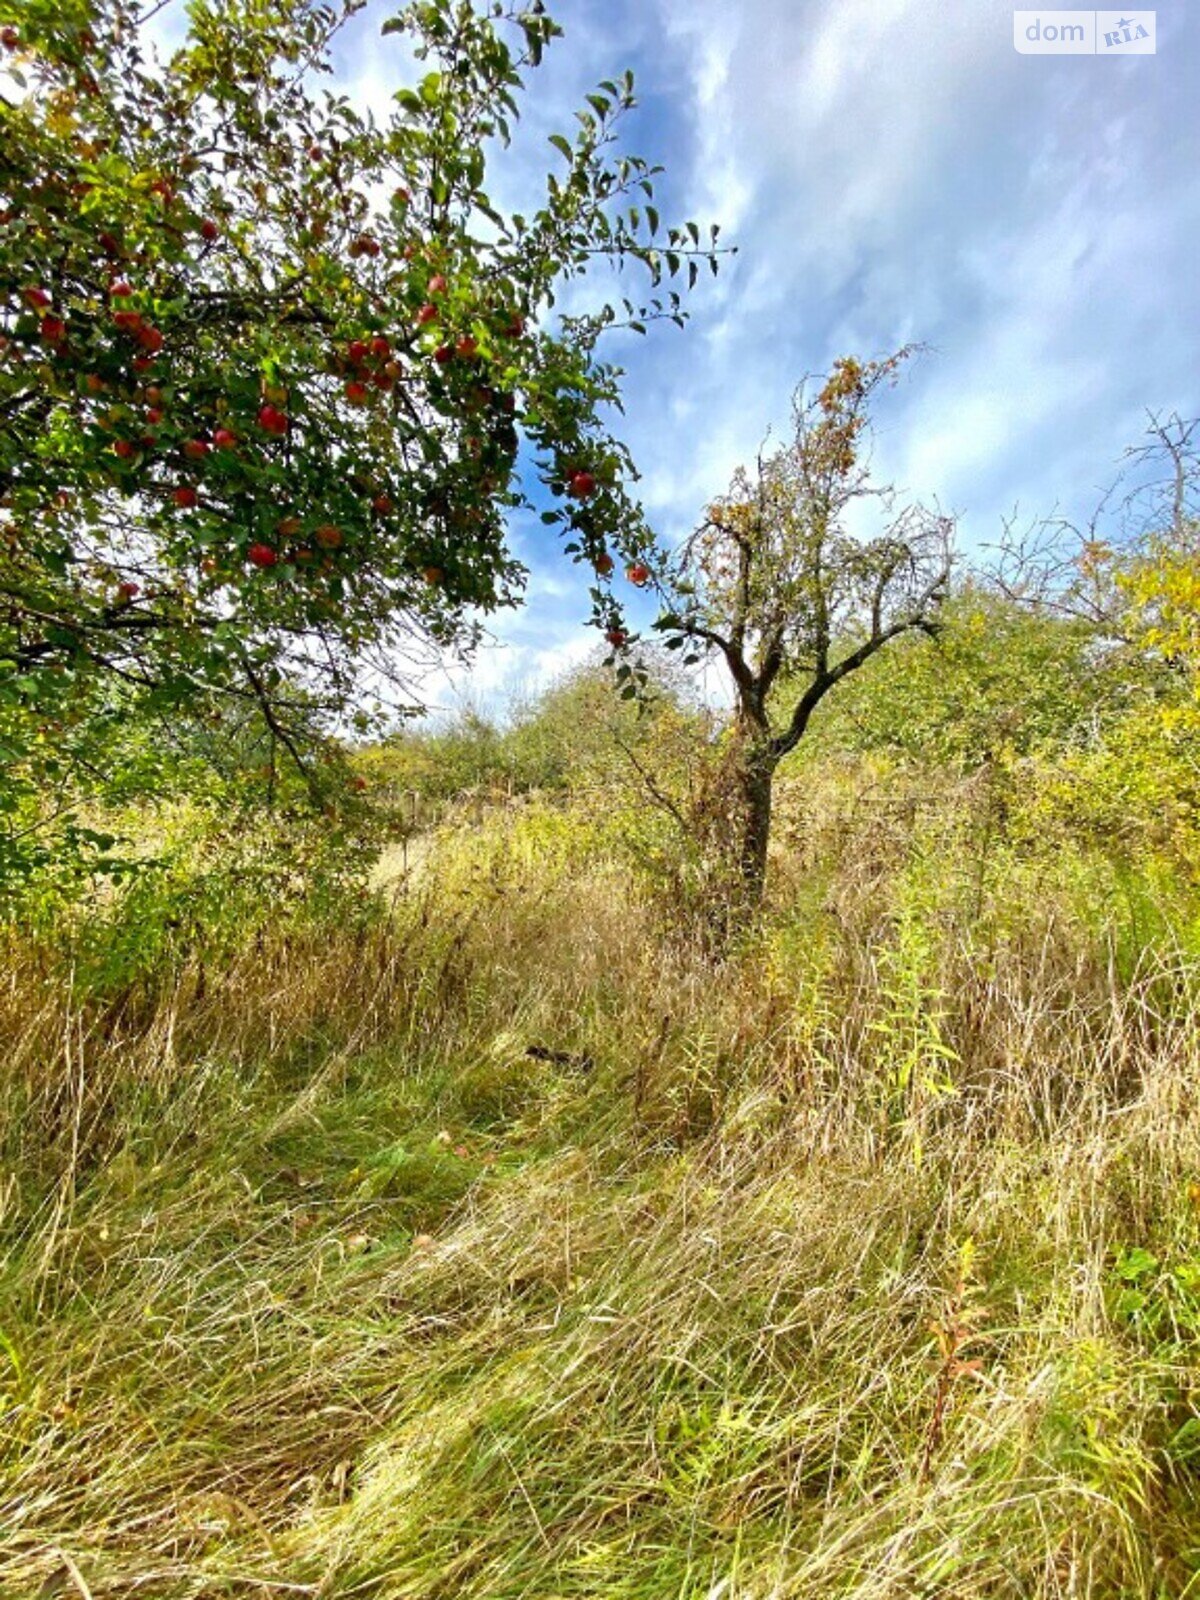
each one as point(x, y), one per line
point(1136, 1263)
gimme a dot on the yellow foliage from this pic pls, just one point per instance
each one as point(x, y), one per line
point(1164, 588)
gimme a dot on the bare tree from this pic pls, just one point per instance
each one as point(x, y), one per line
point(1079, 569)
point(792, 600)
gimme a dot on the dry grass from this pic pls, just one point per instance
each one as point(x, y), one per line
point(803, 1271)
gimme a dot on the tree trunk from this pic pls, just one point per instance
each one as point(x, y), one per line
point(757, 777)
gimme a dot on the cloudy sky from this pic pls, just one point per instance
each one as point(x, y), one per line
point(891, 171)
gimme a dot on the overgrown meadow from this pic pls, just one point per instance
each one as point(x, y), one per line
point(441, 1198)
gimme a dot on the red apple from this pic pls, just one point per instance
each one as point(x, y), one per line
point(120, 290)
point(272, 420)
point(381, 505)
point(357, 393)
point(580, 485)
point(54, 330)
point(380, 346)
point(10, 39)
point(437, 284)
point(224, 439)
point(443, 353)
point(124, 448)
point(616, 637)
point(515, 326)
point(432, 575)
point(154, 395)
point(128, 591)
point(262, 555)
point(154, 416)
point(314, 152)
point(209, 231)
point(357, 350)
point(196, 449)
point(185, 496)
point(638, 574)
point(142, 363)
point(604, 565)
point(36, 299)
point(466, 347)
point(427, 314)
point(128, 321)
point(150, 339)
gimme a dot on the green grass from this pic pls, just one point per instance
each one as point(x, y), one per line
point(860, 1261)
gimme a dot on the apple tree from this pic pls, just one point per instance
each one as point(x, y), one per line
point(778, 585)
point(275, 370)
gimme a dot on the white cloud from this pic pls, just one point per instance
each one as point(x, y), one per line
point(518, 660)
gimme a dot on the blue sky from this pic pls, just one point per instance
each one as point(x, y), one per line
point(890, 170)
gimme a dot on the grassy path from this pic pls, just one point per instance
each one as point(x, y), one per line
point(318, 1283)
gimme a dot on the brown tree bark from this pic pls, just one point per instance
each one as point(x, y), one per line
point(755, 781)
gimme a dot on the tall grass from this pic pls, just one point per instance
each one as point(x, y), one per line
point(860, 1258)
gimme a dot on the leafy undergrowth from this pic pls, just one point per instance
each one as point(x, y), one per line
point(861, 1260)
